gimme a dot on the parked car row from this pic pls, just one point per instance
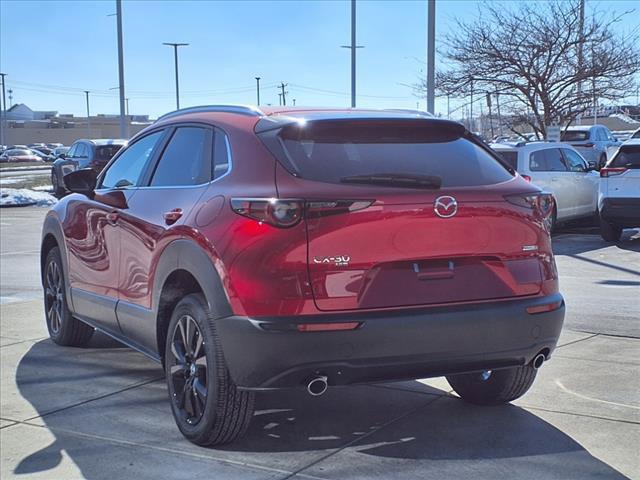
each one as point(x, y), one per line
point(34, 152)
point(612, 196)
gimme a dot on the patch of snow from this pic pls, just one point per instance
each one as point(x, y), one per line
point(24, 196)
point(624, 118)
point(43, 188)
point(9, 180)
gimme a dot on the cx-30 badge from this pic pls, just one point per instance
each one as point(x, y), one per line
point(338, 260)
point(445, 206)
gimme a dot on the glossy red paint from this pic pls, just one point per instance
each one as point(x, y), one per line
point(400, 254)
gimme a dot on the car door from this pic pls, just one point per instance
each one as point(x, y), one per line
point(94, 236)
point(156, 216)
point(550, 172)
point(585, 183)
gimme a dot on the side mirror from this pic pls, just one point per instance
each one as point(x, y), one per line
point(592, 165)
point(81, 181)
point(62, 155)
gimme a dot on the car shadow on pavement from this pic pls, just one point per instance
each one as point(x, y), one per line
point(409, 422)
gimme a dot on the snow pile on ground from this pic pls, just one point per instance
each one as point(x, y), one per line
point(10, 197)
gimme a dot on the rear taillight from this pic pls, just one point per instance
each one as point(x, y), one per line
point(285, 213)
point(612, 172)
point(527, 178)
point(276, 212)
point(541, 203)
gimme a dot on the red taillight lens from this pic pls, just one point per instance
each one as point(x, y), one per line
point(279, 213)
point(547, 307)
point(326, 327)
point(541, 203)
point(527, 178)
point(612, 172)
point(285, 213)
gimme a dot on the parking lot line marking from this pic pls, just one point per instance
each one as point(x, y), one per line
point(585, 397)
point(604, 264)
point(24, 252)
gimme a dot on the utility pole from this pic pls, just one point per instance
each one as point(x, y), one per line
point(3, 120)
point(123, 122)
point(279, 99)
point(294, 102)
point(258, 89)
point(580, 55)
point(86, 92)
point(431, 55)
point(284, 96)
point(490, 115)
point(10, 98)
point(448, 106)
point(127, 111)
point(353, 48)
point(175, 58)
point(471, 108)
point(498, 108)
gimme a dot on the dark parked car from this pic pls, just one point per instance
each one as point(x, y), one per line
point(93, 154)
point(250, 250)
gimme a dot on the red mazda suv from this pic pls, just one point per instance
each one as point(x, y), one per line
point(250, 250)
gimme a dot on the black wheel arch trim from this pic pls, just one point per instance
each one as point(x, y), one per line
point(52, 228)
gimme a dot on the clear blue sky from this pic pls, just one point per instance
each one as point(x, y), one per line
point(52, 50)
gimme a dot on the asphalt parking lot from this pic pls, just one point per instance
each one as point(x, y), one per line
point(102, 412)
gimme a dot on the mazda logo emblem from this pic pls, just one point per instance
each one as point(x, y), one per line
point(445, 206)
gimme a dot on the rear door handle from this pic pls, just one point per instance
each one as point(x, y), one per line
point(172, 216)
point(112, 218)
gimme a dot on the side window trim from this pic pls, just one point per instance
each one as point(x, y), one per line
point(216, 131)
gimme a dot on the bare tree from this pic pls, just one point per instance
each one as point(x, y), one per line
point(546, 70)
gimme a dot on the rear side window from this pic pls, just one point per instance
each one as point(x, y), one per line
point(126, 170)
point(548, 160)
point(105, 153)
point(511, 158)
point(628, 156)
point(186, 159)
point(221, 154)
point(574, 136)
point(331, 151)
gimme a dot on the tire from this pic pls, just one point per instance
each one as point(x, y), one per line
point(58, 189)
point(493, 387)
point(608, 232)
point(196, 368)
point(63, 328)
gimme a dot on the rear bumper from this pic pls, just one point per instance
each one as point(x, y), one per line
point(623, 212)
point(268, 353)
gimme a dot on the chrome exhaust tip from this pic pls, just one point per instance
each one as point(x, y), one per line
point(317, 386)
point(538, 360)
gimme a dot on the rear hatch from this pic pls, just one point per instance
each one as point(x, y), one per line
point(407, 212)
point(621, 177)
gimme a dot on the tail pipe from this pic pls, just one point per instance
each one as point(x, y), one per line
point(538, 360)
point(317, 386)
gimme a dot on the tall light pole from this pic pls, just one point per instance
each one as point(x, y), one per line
point(431, 55)
point(123, 121)
point(175, 58)
point(86, 92)
point(3, 120)
point(258, 89)
point(127, 101)
point(353, 47)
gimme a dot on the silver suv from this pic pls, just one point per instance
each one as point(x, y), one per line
point(595, 142)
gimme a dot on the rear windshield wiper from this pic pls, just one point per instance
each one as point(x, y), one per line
point(396, 180)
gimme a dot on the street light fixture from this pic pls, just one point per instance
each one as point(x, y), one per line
point(175, 57)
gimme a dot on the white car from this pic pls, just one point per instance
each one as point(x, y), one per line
point(559, 169)
point(619, 193)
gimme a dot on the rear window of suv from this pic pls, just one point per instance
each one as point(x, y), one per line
point(328, 151)
point(627, 157)
point(574, 136)
point(106, 152)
